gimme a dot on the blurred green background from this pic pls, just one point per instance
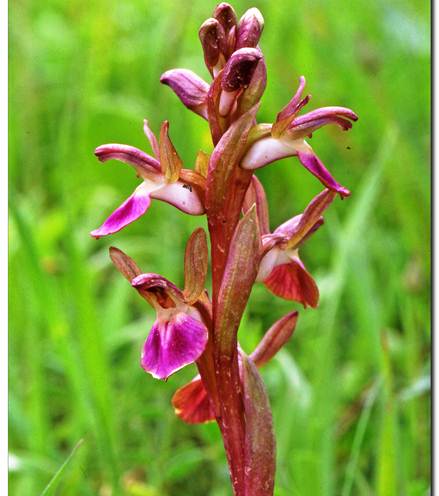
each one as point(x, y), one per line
point(350, 392)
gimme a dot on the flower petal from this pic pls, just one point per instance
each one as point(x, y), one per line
point(145, 165)
point(170, 161)
point(300, 226)
point(130, 210)
point(192, 404)
point(311, 162)
point(182, 196)
point(195, 265)
point(190, 88)
point(253, 93)
point(172, 344)
point(292, 281)
point(306, 124)
point(256, 194)
point(226, 16)
point(124, 264)
point(151, 138)
point(287, 114)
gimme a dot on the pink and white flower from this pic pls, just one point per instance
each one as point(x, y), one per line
point(286, 138)
point(162, 179)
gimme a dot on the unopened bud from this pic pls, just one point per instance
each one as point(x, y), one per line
point(226, 16)
point(250, 29)
point(213, 41)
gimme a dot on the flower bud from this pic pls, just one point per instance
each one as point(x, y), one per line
point(226, 16)
point(213, 41)
point(250, 29)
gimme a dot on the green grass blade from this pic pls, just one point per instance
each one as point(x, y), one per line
point(53, 484)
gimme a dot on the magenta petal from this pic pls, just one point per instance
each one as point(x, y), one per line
point(173, 344)
point(316, 167)
point(130, 210)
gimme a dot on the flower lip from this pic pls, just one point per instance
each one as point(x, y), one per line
point(192, 403)
point(173, 343)
point(291, 281)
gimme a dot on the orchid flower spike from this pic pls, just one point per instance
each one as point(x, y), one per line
point(162, 179)
point(286, 138)
point(178, 336)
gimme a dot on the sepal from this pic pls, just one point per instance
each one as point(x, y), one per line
point(190, 89)
point(195, 266)
point(170, 161)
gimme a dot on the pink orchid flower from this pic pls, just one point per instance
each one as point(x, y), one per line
point(162, 179)
point(286, 138)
